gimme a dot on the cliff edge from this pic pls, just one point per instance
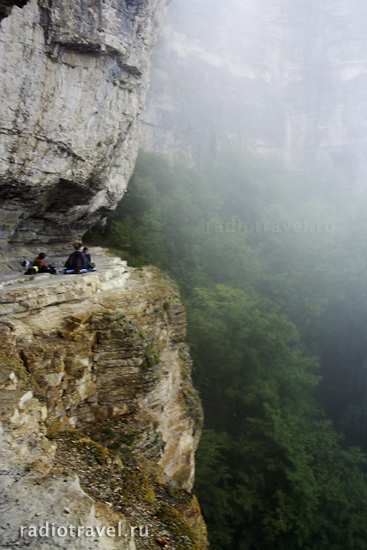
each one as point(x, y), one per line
point(99, 418)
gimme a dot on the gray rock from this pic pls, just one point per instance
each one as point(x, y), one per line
point(74, 76)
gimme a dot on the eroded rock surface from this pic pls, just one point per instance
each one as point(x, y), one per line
point(74, 76)
point(99, 418)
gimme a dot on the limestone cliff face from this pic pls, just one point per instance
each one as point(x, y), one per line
point(74, 76)
point(99, 418)
point(289, 77)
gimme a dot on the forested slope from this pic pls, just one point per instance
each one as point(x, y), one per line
point(271, 266)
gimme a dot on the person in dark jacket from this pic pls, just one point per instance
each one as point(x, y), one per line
point(90, 266)
point(77, 261)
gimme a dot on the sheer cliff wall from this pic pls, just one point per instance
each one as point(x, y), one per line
point(289, 77)
point(74, 76)
point(99, 421)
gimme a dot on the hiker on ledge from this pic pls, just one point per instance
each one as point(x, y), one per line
point(77, 261)
point(41, 264)
point(90, 266)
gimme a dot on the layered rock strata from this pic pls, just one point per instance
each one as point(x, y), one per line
point(99, 418)
point(74, 76)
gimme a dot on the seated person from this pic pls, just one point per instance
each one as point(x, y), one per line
point(41, 264)
point(90, 266)
point(77, 261)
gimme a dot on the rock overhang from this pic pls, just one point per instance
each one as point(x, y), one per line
point(73, 83)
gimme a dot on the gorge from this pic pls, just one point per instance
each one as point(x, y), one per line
point(100, 420)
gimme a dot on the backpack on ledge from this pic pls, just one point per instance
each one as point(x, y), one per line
point(32, 270)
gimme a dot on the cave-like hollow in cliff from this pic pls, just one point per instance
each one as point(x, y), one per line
point(6, 6)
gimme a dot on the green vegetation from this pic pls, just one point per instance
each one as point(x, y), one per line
point(179, 526)
point(128, 484)
point(271, 267)
point(151, 357)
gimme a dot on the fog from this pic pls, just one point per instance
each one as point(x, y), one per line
point(267, 100)
point(290, 77)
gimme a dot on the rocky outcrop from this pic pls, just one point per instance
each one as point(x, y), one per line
point(285, 77)
point(99, 418)
point(74, 76)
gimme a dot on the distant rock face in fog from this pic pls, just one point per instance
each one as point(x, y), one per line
point(288, 75)
point(74, 75)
